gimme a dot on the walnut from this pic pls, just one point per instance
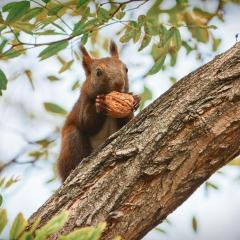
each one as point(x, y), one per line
point(119, 105)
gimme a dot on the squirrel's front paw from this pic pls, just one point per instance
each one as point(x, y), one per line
point(136, 102)
point(101, 107)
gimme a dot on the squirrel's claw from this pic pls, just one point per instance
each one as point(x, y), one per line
point(101, 107)
point(136, 102)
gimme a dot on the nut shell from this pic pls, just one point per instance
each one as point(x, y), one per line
point(119, 105)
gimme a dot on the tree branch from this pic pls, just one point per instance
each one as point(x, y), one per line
point(152, 165)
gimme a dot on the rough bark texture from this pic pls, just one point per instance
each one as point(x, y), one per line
point(152, 165)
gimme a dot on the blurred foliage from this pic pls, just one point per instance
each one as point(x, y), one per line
point(36, 232)
point(194, 224)
point(69, 21)
point(54, 26)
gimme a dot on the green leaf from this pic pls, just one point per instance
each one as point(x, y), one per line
point(216, 44)
point(81, 3)
point(175, 42)
point(86, 233)
point(16, 10)
point(52, 226)
point(145, 41)
point(3, 82)
point(1, 200)
point(141, 19)
point(12, 53)
point(84, 38)
point(173, 58)
point(145, 96)
point(182, 1)
point(3, 44)
point(132, 31)
point(211, 185)
point(18, 226)
point(54, 108)
point(120, 14)
point(28, 235)
point(46, 1)
point(53, 49)
point(54, 10)
point(103, 14)
point(194, 224)
point(78, 28)
point(32, 13)
point(160, 230)
point(49, 32)
point(187, 47)
point(75, 85)
point(157, 65)
point(173, 80)
point(4, 220)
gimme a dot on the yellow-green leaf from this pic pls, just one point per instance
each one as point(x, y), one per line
point(211, 185)
point(157, 65)
point(18, 226)
point(29, 75)
point(54, 10)
point(216, 43)
point(53, 78)
point(53, 49)
point(175, 41)
point(52, 226)
point(3, 217)
point(12, 53)
point(197, 27)
point(9, 182)
point(66, 66)
point(28, 234)
point(75, 85)
point(194, 224)
point(32, 13)
point(145, 41)
point(86, 233)
point(145, 96)
point(160, 230)
point(54, 108)
point(81, 2)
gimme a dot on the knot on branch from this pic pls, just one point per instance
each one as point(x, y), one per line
point(124, 154)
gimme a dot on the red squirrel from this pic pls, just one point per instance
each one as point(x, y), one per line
point(87, 126)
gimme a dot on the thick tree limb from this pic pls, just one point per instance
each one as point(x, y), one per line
point(151, 166)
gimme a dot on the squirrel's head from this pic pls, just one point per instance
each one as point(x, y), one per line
point(105, 74)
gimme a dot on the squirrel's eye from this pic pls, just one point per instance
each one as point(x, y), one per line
point(98, 72)
point(126, 69)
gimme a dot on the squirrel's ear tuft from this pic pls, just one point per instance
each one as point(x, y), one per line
point(87, 60)
point(113, 49)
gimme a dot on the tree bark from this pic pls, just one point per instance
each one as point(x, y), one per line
point(152, 165)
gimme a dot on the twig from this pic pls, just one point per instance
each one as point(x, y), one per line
point(60, 18)
point(134, 8)
point(15, 160)
point(120, 3)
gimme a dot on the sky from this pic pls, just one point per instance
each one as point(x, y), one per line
point(217, 212)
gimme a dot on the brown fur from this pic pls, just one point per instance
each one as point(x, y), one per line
point(85, 128)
